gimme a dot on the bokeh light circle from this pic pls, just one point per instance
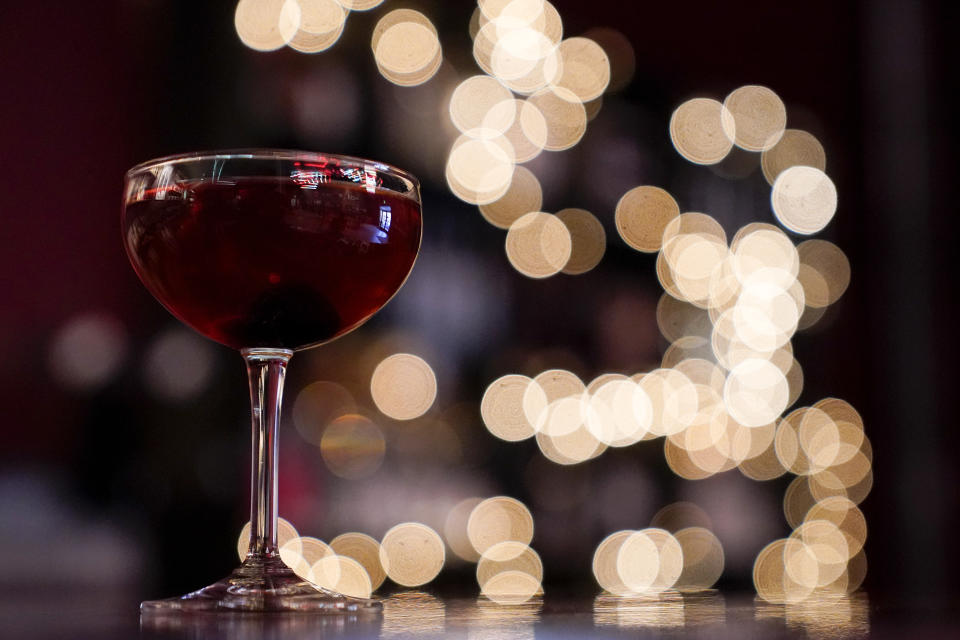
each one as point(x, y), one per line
point(499, 519)
point(266, 25)
point(412, 554)
point(642, 214)
point(588, 240)
point(804, 199)
point(698, 130)
point(538, 245)
point(758, 117)
point(523, 196)
point(403, 386)
point(321, 25)
point(363, 549)
point(585, 68)
point(795, 147)
point(502, 408)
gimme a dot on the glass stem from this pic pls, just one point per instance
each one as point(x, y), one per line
point(266, 369)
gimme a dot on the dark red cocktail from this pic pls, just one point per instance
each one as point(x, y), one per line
point(269, 262)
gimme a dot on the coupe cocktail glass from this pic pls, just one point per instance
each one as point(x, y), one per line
point(269, 252)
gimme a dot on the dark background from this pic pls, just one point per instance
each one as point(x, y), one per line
point(113, 487)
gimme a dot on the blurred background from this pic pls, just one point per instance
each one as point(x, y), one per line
point(125, 456)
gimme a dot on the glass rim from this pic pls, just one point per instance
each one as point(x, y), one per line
point(267, 153)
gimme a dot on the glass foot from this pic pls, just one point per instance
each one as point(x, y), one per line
point(264, 585)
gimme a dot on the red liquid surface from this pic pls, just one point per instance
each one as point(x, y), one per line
point(264, 262)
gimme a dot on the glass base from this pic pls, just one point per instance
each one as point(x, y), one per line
point(262, 586)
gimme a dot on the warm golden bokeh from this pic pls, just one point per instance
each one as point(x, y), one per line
point(797, 500)
point(694, 249)
point(509, 555)
point(321, 25)
point(848, 518)
point(511, 588)
point(538, 245)
point(312, 560)
point(823, 556)
point(474, 99)
point(703, 559)
point(360, 5)
point(672, 401)
point(516, 41)
point(480, 166)
point(585, 68)
point(499, 519)
point(364, 550)
point(638, 562)
point(795, 148)
point(564, 114)
point(642, 215)
point(547, 388)
point(670, 559)
point(730, 312)
point(605, 563)
point(403, 386)
point(502, 408)
point(756, 392)
point(828, 547)
point(569, 446)
point(523, 196)
point(525, 60)
point(354, 581)
point(563, 416)
point(406, 47)
point(266, 25)
point(773, 582)
point(620, 412)
point(757, 119)
point(649, 561)
point(824, 272)
point(412, 554)
point(763, 255)
point(804, 199)
point(528, 133)
point(588, 240)
point(395, 17)
point(699, 130)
